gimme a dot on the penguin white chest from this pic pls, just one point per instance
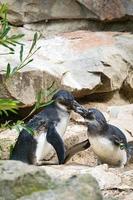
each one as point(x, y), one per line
point(44, 149)
point(62, 125)
point(108, 152)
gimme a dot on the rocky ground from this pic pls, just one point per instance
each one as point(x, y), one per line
point(86, 48)
point(115, 183)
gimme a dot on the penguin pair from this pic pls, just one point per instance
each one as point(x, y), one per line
point(54, 119)
point(107, 141)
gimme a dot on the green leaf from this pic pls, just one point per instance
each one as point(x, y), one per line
point(21, 53)
point(8, 70)
point(16, 37)
point(5, 45)
point(29, 130)
point(13, 111)
point(25, 64)
point(5, 112)
point(34, 42)
point(8, 105)
point(14, 70)
point(5, 32)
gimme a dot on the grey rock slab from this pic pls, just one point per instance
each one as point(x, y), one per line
point(22, 181)
point(82, 62)
point(17, 179)
point(22, 12)
point(76, 188)
point(111, 10)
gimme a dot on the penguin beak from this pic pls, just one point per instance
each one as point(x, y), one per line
point(79, 109)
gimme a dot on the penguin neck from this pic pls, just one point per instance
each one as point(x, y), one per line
point(64, 117)
point(97, 130)
point(62, 108)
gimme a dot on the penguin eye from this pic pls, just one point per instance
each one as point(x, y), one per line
point(90, 115)
point(63, 101)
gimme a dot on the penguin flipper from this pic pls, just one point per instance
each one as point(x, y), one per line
point(77, 148)
point(56, 141)
point(117, 137)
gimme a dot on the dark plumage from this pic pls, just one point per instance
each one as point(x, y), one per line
point(54, 118)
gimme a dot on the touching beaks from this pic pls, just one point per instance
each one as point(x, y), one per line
point(79, 109)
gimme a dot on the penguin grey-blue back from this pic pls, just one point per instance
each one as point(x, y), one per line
point(54, 118)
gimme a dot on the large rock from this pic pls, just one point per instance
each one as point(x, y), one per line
point(76, 188)
point(29, 182)
point(18, 179)
point(113, 182)
point(82, 62)
point(21, 12)
point(109, 10)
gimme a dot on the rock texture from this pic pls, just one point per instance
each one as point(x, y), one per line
point(66, 181)
point(82, 62)
point(18, 179)
point(110, 10)
point(22, 12)
point(127, 87)
point(33, 181)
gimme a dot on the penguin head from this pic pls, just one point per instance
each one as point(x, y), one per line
point(94, 118)
point(64, 98)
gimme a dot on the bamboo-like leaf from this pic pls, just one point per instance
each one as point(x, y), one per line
point(14, 70)
point(5, 32)
point(5, 112)
point(26, 64)
point(38, 98)
point(34, 42)
point(29, 130)
point(8, 105)
point(21, 53)
point(13, 111)
point(16, 37)
point(46, 104)
point(51, 85)
point(5, 45)
point(8, 70)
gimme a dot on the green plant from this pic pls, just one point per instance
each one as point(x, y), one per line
point(11, 71)
point(41, 95)
point(8, 105)
point(7, 41)
point(10, 41)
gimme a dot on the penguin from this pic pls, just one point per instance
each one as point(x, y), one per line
point(54, 119)
point(107, 141)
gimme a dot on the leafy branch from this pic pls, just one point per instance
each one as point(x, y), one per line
point(8, 105)
point(41, 95)
point(7, 41)
point(23, 61)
